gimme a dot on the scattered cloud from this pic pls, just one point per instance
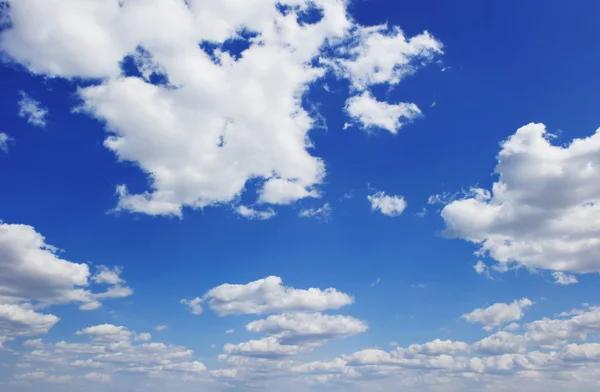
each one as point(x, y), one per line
point(194, 305)
point(498, 314)
point(318, 213)
point(251, 213)
point(390, 205)
point(160, 328)
point(564, 279)
point(32, 110)
point(370, 113)
point(4, 139)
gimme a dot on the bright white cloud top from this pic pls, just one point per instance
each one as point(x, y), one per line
point(220, 119)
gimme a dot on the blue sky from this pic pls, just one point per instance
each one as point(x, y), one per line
point(385, 163)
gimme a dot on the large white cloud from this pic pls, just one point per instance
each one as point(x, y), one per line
point(224, 118)
point(269, 295)
point(543, 212)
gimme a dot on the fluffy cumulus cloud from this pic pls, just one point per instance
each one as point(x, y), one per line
point(371, 113)
point(390, 205)
point(498, 314)
point(32, 110)
point(306, 328)
point(269, 295)
point(35, 277)
point(543, 211)
point(202, 119)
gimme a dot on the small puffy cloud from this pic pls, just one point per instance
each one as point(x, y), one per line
point(318, 213)
point(194, 305)
point(32, 110)
point(263, 348)
point(269, 295)
point(543, 211)
point(438, 347)
point(498, 314)
point(107, 332)
point(161, 327)
point(97, 377)
point(108, 276)
point(142, 337)
point(251, 213)
point(390, 205)
point(482, 269)
point(230, 331)
point(370, 113)
point(564, 279)
point(4, 139)
point(33, 343)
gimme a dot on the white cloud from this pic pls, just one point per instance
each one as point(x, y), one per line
point(160, 328)
point(96, 377)
point(438, 347)
point(112, 349)
point(194, 305)
point(582, 352)
point(388, 205)
point(263, 348)
point(21, 320)
point(108, 276)
point(320, 213)
point(230, 331)
point(482, 269)
point(33, 272)
point(498, 314)
point(307, 328)
point(501, 343)
point(32, 110)
point(383, 55)
point(370, 112)
point(251, 213)
point(543, 211)
point(269, 295)
point(33, 343)
point(107, 333)
point(564, 279)
point(222, 119)
point(4, 139)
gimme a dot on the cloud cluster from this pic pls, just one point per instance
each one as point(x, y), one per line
point(112, 350)
point(35, 277)
point(202, 119)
